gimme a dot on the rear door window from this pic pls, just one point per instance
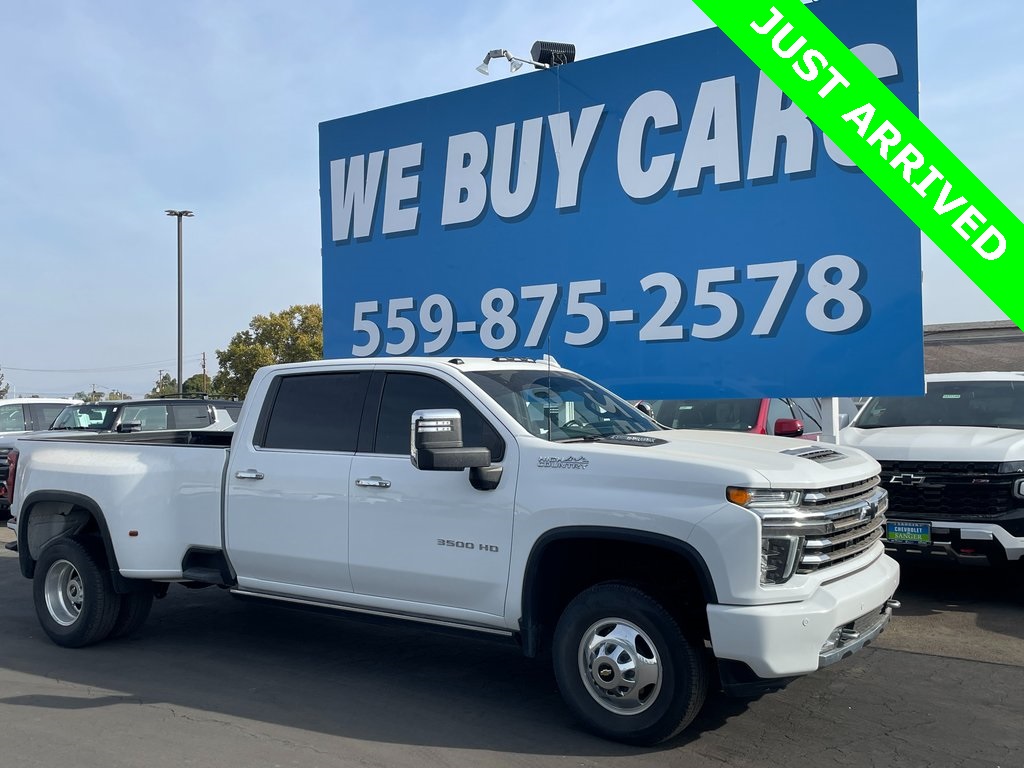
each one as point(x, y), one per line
point(315, 412)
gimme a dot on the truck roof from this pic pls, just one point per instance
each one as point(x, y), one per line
point(40, 401)
point(459, 363)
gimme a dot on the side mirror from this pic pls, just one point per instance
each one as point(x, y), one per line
point(130, 426)
point(437, 442)
point(789, 427)
point(646, 409)
point(844, 420)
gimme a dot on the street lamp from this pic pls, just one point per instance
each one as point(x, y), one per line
point(179, 215)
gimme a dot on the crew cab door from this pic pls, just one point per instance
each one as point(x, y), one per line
point(286, 510)
point(429, 536)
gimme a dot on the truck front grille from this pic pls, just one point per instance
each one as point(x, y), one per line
point(948, 489)
point(834, 524)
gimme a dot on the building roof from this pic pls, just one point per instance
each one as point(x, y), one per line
point(996, 345)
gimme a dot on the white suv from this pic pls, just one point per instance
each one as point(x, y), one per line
point(19, 416)
point(30, 414)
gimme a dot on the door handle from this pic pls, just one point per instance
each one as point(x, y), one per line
point(373, 482)
point(248, 474)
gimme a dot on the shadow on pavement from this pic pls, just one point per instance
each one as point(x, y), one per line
point(383, 682)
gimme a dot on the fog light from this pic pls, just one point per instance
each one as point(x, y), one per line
point(833, 640)
point(779, 556)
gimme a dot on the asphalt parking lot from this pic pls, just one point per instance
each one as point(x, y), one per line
point(213, 681)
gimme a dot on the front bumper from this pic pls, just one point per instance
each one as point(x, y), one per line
point(788, 639)
point(963, 541)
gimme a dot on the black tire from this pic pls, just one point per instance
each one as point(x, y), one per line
point(133, 612)
point(596, 681)
point(73, 594)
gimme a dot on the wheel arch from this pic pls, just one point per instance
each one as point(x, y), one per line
point(82, 516)
point(576, 557)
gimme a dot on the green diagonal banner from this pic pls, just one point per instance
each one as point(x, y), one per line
point(884, 138)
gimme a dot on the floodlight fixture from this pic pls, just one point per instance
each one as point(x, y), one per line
point(515, 63)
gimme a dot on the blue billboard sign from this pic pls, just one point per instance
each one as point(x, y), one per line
point(661, 219)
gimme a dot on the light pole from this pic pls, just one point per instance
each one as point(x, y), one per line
point(179, 215)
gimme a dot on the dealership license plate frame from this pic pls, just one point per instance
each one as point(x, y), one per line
point(920, 535)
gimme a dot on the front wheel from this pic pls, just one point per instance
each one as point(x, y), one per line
point(625, 667)
point(73, 595)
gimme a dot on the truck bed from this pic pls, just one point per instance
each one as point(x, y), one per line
point(203, 437)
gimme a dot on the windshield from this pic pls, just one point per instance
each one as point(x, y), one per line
point(950, 403)
point(561, 406)
point(98, 416)
point(734, 415)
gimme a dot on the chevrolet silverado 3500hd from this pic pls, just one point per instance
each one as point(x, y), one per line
point(504, 496)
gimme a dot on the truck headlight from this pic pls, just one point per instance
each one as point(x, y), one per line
point(781, 545)
point(763, 498)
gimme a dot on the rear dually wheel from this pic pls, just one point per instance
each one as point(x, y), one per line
point(73, 594)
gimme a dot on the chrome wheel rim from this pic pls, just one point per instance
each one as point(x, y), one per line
point(64, 592)
point(620, 666)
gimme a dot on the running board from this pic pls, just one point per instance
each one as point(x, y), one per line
point(375, 613)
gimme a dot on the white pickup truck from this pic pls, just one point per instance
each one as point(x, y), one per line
point(953, 464)
point(505, 496)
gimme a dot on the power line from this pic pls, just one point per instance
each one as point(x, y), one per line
point(109, 369)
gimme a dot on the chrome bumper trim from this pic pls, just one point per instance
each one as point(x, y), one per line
point(864, 636)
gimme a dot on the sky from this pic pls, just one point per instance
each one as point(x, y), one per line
point(115, 110)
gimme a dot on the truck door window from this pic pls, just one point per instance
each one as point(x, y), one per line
point(405, 393)
point(317, 412)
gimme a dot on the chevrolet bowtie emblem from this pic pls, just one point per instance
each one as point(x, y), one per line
point(907, 479)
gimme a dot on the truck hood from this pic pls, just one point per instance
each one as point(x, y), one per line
point(781, 462)
point(938, 443)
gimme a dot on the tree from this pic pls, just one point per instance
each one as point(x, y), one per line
point(291, 336)
point(165, 385)
point(197, 383)
point(116, 394)
point(4, 388)
point(92, 396)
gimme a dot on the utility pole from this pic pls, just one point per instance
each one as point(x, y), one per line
point(206, 384)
